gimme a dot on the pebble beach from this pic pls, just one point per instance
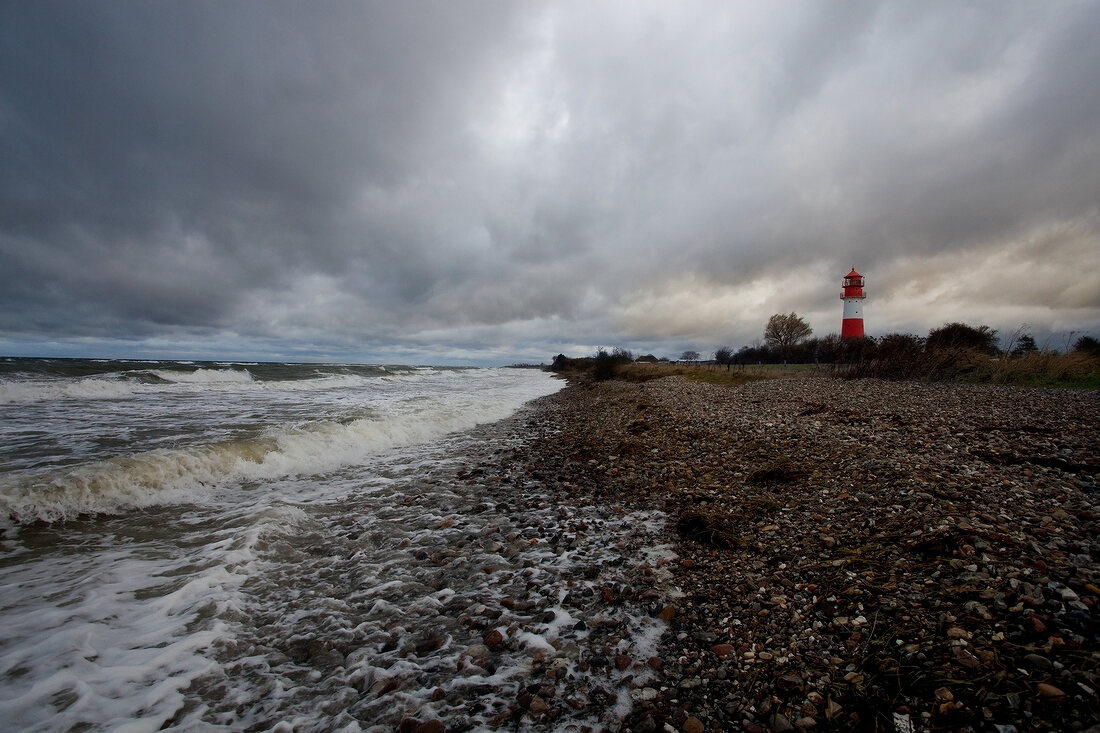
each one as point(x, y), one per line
point(839, 555)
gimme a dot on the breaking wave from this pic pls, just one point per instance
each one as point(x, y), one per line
point(131, 384)
point(169, 476)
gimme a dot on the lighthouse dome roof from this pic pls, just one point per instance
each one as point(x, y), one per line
point(853, 273)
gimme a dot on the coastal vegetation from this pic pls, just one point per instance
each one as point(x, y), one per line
point(953, 352)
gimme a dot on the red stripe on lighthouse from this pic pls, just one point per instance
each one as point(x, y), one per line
point(852, 325)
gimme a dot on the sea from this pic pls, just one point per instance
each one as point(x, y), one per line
point(297, 547)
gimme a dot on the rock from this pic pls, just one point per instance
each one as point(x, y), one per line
point(493, 640)
point(667, 613)
point(1049, 691)
point(944, 695)
point(1037, 661)
point(805, 722)
point(622, 662)
point(781, 724)
point(722, 650)
point(538, 706)
point(693, 725)
point(789, 683)
point(432, 726)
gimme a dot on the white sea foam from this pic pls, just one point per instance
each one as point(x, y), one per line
point(325, 526)
point(174, 475)
point(112, 638)
point(36, 390)
point(204, 376)
point(168, 381)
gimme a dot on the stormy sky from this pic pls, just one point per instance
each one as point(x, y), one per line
point(478, 182)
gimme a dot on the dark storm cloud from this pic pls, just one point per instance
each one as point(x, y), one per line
point(209, 148)
point(424, 178)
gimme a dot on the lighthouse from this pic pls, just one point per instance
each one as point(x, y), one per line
point(852, 325)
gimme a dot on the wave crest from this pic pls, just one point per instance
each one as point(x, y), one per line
point(173, 476)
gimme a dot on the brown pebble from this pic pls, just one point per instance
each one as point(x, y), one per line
point(722, 650)
point(432, 726)
point(667, 613)
point(494, 639)
point(538, 706)
point(693, 725)
point(1049, 691)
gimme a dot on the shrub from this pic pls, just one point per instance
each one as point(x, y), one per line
point(962, 336)
point(1088, 346)
point(606, 365)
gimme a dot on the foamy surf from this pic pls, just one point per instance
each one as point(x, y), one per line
point(407, 414)
point(308, 549)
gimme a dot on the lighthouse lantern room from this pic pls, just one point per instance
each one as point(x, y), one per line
point(853, 293)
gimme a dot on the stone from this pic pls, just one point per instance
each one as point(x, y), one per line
point(693, 725)
point(1049, 691)
point(1038, 661)
point(432, 726)
point(493, 640)
point(722, 650)
point(538, 706)
point(789, 682)
point(667, 613)
point(781, 724)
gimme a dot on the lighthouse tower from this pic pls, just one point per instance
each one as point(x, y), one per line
point(852, 325)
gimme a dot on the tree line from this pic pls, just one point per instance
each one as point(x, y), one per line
point(787, 339)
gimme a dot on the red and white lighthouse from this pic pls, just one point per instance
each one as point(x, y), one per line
point(852, 325)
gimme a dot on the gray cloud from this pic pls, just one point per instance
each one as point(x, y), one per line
point(365, 180)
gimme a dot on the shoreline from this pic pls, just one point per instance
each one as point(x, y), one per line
point(853, 554)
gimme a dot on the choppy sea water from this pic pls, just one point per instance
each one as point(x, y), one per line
point(309, 547)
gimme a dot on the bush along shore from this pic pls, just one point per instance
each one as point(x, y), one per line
point(851, 555)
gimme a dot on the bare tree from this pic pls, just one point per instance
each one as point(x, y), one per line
point(724, 355)
point(689, 356)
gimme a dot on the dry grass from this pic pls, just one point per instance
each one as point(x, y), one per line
point(1043, 369)
point(711, 373)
